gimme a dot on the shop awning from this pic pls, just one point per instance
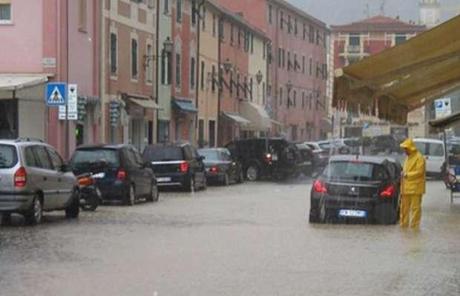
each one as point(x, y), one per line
point(238, 119)
point(402, 78)
point(445, 122)
point(13, 82)
point(274, 122)
point(184, 106)
point(147, 104)
point(260, 120)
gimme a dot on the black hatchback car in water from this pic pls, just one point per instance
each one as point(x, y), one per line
point(357, 187)
point(221, 167)
point(176, 165)
point(126, 176)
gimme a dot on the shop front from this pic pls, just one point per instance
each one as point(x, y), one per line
point(184, 115)
point(260, 122)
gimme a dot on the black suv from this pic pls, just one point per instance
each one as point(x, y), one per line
point(266, 157)
point(177, 165)
point(126, 176)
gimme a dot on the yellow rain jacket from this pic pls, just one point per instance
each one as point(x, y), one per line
point(414, 169)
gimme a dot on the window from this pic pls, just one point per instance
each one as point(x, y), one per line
point(245, 88)
point(42, 158)
point(231, 82)
point(311, 34)
point(311, 67)
point(270, 14)
point(178, 70)
point(221, 29)
point(201, 132)
point(318, 37)
point(289, 61)
point(295, 98)
point(56, 160)
point(212, 133)
point(134, 66)
point(166, 6)
point(194, 12)
point(317, 69)
point(192, 73)
point(214, 25)
point(399, 39)
point(239, 37)
point(8, 156)
point(252, 43)
point(202, 75)
point(304, 32)
point(289, 24)
point(284, 58)
point(113, 53)
point(303, 100)
point(280, 60)
point(5, 12)
point(231, 34)
point(179, 11)
point(149, 62)
point(82, 15)
point(354, 40)
point(281, 96)
point(251, 85)
point(213, 73)
point(238, 85)
point(303, 64)
point(296, 30)
point(263, 93)
point(281, 20)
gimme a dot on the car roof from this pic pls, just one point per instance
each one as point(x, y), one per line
point(103, 146)
point(213, 149)
point(168, 144)
point(362, 158)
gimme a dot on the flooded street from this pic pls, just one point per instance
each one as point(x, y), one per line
point(250, 239)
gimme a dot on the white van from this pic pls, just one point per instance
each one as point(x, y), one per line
point(434, 153)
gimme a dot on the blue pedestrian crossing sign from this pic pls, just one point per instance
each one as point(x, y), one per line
point(56, 94)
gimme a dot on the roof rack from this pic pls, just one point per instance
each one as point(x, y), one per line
point(28, 139)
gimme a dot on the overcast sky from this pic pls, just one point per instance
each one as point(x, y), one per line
point(337, 12)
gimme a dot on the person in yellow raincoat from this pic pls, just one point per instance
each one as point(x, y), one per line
point(412, 186)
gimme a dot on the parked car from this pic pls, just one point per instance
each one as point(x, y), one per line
point(434, 153)
point(265, 157)
point(34, 179)
point(357, 187)
point(126, 177)
point(177, 165)
point(221, 167)
point(321, 151)
point(306, 159)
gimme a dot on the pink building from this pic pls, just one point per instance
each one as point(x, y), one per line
point(48, 40)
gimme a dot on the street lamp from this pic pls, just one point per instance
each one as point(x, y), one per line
point(167, 48)
point(259, 77)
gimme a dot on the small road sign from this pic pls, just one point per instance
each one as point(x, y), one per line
point(56, 94)
point(443, 107)
point(72, 102)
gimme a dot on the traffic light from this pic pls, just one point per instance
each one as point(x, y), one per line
point(114, 113)
point(81, 108)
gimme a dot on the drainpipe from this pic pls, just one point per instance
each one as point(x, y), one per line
point(197, 62)
point(157, 87)
point(67, 123)
point(220, 73)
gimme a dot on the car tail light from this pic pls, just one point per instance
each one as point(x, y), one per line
point(183, 167)
point(389, 191)
point(20, 177)
point(214, 169)
point(268, 157)
point(319, 187)
point(86, 181)
point(121, 175)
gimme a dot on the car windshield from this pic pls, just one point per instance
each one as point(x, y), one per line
point(163, 154)
point(8, 156)
point(93, 156)
point(209, 154)
point(353, 170)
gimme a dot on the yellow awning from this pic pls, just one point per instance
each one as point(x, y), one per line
point(402, 78)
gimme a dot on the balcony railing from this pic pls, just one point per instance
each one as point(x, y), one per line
point(354, 48)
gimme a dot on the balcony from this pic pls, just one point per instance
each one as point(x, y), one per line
point(354, 48)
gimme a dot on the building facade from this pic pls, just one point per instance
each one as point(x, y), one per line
point(297, 66)
point(127, 71)
point(355, 41)
point(47, 41)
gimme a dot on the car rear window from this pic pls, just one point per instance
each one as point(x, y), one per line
point(324, 146)
point(8, 156)
point(210, 154)
point(163, 154)
point(350, 170)
point(91, 156)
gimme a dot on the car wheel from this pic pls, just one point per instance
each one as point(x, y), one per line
point(35, 215)
point(240, 177)
point(73, 210)
point(385, 214)
point(313, 218)
point(252, 173)
point(226, 180)
point(154, 194)
point(322, 214)
point(131, 198)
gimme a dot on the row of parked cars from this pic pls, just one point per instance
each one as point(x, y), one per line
point(34, 178)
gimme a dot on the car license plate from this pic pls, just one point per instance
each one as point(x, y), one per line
point(275, 157)
point(165, 179)
point(352, 213)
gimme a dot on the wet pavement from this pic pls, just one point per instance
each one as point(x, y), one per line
point(250, 239)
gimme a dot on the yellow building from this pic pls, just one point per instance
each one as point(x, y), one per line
point(207, 80)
